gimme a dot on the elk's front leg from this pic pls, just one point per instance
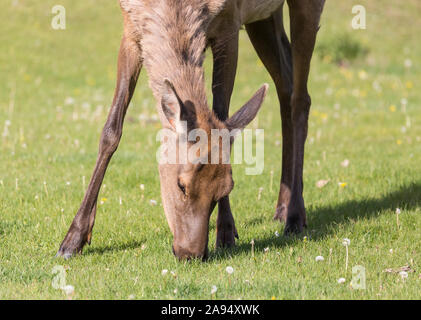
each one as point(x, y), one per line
point(129, 65)
point(225, 57)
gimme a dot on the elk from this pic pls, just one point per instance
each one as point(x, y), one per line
point(170, 38)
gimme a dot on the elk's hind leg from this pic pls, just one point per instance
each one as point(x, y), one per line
point(305, 18)
point(273, 48)
point(129, 65)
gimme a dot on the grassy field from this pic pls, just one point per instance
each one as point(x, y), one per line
point(55, 91)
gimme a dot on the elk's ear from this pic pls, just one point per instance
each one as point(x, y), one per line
point(248, 112)
point(181, 115)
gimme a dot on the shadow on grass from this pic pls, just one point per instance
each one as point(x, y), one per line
point(325, 219)
point(114, 247)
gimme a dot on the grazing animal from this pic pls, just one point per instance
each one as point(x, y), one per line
point(169, 38)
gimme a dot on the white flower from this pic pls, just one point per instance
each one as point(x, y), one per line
point(403, 274)
point(142, 187)
point(267, 249)
point(175, 291)
point(69, 290)
point(408, 63)
point(7, 123)
point(69, 100)
point(320, 258)
point(229, 270)
point(345, 163)
point(131, 297)
point(214, 289)
point(164, 272)
point(277, 234)
point(153, 202)
point(398, 211)
point(346, 242)
point(341, 280)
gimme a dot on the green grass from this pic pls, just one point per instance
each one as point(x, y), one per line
point(356, 115)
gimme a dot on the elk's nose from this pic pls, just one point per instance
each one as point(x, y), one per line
point(185, 254)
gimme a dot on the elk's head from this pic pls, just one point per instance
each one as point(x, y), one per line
point(195, 172)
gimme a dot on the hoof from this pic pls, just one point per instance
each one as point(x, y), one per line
point(226, 237)
point(293, 230)
point(72, 245)
point(64, 255)
point(294, 226)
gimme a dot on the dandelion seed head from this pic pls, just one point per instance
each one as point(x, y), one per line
point(320, 258)
point(346, 242)
point(345, 163)
point(229, 270)
point(341, 280)
point(214, 289)
point(69, 290)
point(408, 63)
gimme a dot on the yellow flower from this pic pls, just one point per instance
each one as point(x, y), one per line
point(409, 84)
point(342, 184)
point(399, 142)
point(273, 298)
point(392, 108)
point(347, 73)
point(104, 199)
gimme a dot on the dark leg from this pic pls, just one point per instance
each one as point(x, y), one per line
point(305, 18)
point(225, 55)
point(272, 46)
point(129, 65)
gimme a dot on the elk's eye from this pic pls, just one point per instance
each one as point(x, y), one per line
point(182, 187)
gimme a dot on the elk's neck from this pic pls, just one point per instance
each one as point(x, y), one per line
point(173, 44)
